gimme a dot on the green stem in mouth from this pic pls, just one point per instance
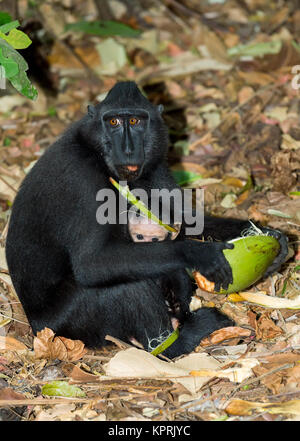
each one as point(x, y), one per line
point(126, 193)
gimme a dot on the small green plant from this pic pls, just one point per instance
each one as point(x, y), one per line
point(13, 64)
point(104, 28)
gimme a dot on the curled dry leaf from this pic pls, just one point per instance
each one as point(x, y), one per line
point(266, 328)
point(225, 334)
point(78, 375)
point(47, 346)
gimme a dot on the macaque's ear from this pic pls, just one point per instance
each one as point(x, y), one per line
point(91, 111)
point(177, 226)
point(160, 108)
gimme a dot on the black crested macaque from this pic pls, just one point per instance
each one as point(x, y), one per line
point(85, 280)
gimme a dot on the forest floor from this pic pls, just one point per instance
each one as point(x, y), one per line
point(233, 113)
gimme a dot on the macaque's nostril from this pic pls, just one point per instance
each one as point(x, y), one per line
point(155, 239)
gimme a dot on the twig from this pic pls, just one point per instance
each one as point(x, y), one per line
point(12, 318)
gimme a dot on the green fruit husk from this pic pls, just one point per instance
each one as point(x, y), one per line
point(62, 389)
point(249, 260)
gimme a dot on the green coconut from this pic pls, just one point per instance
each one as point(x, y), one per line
point(249, 260)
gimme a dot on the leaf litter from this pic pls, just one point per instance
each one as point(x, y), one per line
point(224, 74)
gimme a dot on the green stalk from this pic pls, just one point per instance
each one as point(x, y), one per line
point(165, 344)
point(126, 193)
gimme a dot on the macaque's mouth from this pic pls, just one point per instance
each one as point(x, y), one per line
point(129, 172)
point(132, 168)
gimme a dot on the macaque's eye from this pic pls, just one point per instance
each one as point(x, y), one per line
point(114, 122)
point(139, 236)
point(133, 121)
point(155, 239)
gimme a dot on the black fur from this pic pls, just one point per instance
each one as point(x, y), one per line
point(86, 280)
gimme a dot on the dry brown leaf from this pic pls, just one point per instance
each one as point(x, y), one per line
point(7, 393)
point(225, 334)
point(47, 346)
point(216, 46)
point(191, 371)
point(136, 363)
point(10, 344)
point(287, 357)
point(273, 381)
point(89, 55)
point(241, 407)
point(234, 182)
point(203, 283)
point(263, 79)
point(61, 57)
point(78, 375)
point(266, 328)
point(175, 90)
point(245, 94)
point(237, 312)
point(294, 376)
point(237, 374)
point(277, 380)
point(242, 197)
point(67, 412)
point(57, 412)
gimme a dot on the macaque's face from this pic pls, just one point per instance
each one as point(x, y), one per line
point(142, 229)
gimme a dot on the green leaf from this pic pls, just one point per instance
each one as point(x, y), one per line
point(104, 28)
point(296, 45)
point(20, 80)
point(10, 66)
point(256, 49)
point(24, 86)
point(5, 17)
point(62, 389)
point(184, 177)
point(7, 141)
point(279, 213)
point(17, 39)
point(52, 111)
point(9, 26)
point(182, 147)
